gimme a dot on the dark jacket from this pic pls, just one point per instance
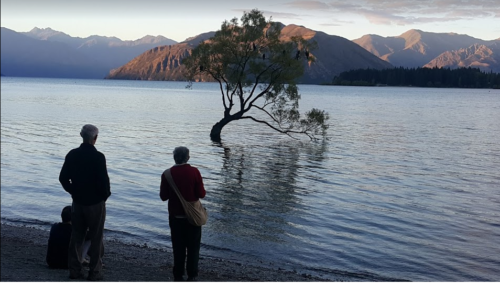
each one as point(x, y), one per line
point(84, 175)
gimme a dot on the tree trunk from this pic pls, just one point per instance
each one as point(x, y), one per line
point(217, 129)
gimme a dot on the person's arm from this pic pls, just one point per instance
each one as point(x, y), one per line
point(64, 175)
point(164, 189)
point(199, 188)
point(104, 178)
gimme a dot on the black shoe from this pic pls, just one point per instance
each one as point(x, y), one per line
point(95, 277)
point(192, 278)
point(179, 278)
point(79, 275)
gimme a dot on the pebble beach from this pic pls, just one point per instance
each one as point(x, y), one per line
point(23, 250)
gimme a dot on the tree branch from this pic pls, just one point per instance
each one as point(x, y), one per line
point(267, 112)
point(286, 132)
point(214, 76)
point(240, 95)
point(222, 91)
point(257, 79)
point(263, 92)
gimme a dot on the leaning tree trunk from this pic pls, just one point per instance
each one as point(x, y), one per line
point(217, 129)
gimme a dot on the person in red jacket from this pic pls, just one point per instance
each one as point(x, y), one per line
point(185, 236)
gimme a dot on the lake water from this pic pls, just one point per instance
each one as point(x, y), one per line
point(406, 186)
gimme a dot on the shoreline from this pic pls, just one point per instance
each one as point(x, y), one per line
point(24, 249)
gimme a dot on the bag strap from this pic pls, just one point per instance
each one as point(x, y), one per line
point(170, 180)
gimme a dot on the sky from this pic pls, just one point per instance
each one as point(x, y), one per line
point(181, 19)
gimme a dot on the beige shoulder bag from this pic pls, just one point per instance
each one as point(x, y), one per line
point(196, 214)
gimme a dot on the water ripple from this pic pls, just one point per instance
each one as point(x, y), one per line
point(404, 187)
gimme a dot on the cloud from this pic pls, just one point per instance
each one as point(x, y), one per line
point(384, 18)
point(438, 6)
point(336, 23)
point(309, 5)
point(470, 14)
point(331, 25)
point(405, 12)
point(281, 15)
point(381, 18)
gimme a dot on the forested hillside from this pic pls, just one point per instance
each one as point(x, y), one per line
point(420, 77)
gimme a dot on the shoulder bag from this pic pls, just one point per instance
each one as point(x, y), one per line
point(196, 214)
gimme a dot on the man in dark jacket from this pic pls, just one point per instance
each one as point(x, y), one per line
point(185, 236)
point(84, 175)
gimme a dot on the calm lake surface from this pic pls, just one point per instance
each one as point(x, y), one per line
point(406, 186)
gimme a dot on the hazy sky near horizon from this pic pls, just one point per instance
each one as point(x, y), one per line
point(178, 20)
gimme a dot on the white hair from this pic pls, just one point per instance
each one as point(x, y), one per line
point(181, 154)
point(89, 132)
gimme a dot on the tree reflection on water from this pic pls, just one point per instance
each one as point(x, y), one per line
point(256, 190)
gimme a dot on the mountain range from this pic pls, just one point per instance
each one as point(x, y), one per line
point(416, 48)
point(50, 53)
point(485, 57)
point(333, 55)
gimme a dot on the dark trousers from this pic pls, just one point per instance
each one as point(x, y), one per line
point(83, 218)
point(185, 238)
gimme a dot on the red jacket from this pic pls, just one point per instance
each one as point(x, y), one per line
point(188, 180)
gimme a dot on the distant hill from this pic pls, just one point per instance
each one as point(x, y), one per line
point(333, 55)
point(461, 77)
point(26, 57)
point(160, 63)
point(415, 48)
point(49, 53)
point(110, 52)
point(54, 36)
point(76, 42)
point(484, 57)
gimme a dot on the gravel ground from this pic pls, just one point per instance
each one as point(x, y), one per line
point(24, 248)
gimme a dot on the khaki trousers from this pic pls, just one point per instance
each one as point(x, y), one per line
point(85, 218)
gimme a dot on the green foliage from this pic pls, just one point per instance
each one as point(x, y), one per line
point(257, 71)
point(420, 77)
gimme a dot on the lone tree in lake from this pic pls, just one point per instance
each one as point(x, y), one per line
point(257, 74)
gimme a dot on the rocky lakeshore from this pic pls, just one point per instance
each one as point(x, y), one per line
point(24, 248)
